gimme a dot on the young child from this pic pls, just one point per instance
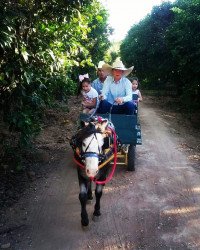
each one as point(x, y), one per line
point(137, 97)
point(89, 94)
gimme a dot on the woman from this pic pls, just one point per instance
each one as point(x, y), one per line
point(117, 90)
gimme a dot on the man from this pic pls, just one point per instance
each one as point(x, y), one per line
point(117, 90)
point(98, 83)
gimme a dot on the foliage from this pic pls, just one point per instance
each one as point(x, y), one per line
point(44, 45)
point(145, 45)
point(184, 42)
point(165, 48)
point(113, 52)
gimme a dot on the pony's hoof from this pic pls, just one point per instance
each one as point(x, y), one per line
point(97, 213)
point(90, 197)
point(84, 223)
point(89, 201)
point(85, 228)
point(95, 218)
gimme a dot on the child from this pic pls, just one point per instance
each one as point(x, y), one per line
point(135, 91)
point(89, 94)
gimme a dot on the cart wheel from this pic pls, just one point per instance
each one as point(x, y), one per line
point(131, 158)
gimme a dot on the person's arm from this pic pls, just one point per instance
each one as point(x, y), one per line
point(128, 87)
point(90, 104)
point(92, 99)
point(105, 89)
point(139, 96)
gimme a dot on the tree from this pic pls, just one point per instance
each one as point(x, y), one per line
point(183, 40)
point(145, 45)
point(43, 47)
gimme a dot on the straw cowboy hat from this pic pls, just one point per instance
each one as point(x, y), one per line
point(117, 65)
point(101, 63)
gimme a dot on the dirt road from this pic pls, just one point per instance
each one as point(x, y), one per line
point(157, 207)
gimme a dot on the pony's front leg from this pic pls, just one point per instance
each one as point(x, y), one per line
point(98, 194)
point(83, 200)
point(89, 193)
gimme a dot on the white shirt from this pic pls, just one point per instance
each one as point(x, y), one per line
point(89, 96)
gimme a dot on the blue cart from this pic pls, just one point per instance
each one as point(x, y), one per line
point(128, 131)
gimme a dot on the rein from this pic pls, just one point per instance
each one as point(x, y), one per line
point(114, 163)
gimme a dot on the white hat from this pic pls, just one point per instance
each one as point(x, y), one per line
point(101, 63)
point(117, 65)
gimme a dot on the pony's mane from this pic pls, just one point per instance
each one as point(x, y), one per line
point(86, 132)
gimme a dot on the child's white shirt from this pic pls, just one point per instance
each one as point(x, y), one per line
point(89, 96)
point(137, 92)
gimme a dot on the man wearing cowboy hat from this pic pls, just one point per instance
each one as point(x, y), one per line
point(98, 83)
point(117, 90)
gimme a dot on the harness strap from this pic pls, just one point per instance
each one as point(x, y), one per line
point(109, 155)
point(94, 136)
point(79, 163)
point(89, 144)
point(91, 154)
point(98, 144)
point(114, 164)
point(105, 162)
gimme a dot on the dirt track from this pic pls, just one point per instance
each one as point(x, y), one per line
point(156, 207)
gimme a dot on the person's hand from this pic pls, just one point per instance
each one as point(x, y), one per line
point(119, 100)
point(101, 97)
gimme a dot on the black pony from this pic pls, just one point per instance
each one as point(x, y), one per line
point(89, 151)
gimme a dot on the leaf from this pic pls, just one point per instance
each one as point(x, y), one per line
point(25, 54)
point(52, 55)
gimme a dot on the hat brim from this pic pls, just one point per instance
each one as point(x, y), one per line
point(108, 68)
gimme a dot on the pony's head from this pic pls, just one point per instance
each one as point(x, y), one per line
point(92, 138)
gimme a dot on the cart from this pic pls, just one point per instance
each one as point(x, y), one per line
point(128, 132)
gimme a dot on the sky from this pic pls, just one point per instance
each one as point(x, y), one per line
point(126, 13)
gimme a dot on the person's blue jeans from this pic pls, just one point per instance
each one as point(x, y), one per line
point(127, 108)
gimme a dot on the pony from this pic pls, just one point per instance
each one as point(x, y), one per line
point(89, 145)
